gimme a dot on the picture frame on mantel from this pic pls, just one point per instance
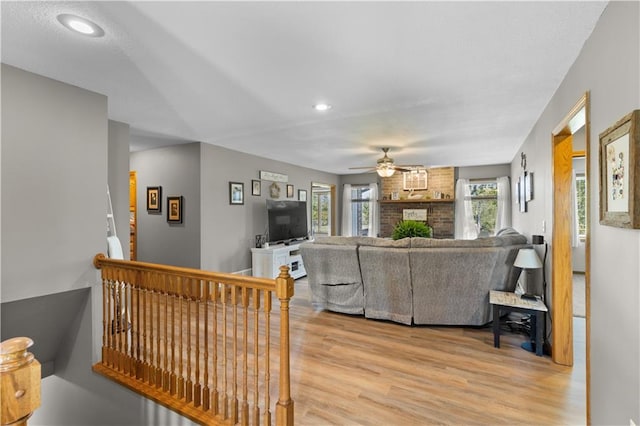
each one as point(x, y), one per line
point(620, 173)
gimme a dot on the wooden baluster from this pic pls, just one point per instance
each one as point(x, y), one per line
point(131, 318)
point(145, 330)
point(126, 296)
point(173, 379)
point(159, 291)
point(180, 360)
point(284, 291)
point(267, 351)
point(256, 357)
point(234, 400)
point(189, 383)
point(139, 353)
point(225, 395)
point(105, 319)
point(119, 321)
point(197, 388)
point(205, 379)
point(215, 394)
point(110, 322)
point(166, 377)
point(153, 356)
point(244, 416)
point(19, 381)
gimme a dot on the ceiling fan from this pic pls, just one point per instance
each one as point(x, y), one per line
point(386, 167)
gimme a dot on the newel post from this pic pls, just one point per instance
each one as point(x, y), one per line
point(284, 291)
point(19, 381)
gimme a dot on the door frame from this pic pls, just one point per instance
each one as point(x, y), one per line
point(561, 283)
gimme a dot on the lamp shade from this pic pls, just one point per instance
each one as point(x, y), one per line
point(527, 259)
point(385, 170)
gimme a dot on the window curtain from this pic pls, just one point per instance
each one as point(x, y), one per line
point(347, 230)
point(465, 227)
point(575, 239)
point(503, 215)
point(373, 210)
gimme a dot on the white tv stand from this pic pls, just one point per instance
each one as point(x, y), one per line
point(266, 262)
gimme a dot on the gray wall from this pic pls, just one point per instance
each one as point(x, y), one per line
point(54, 180)
point(177, 170)
point(608, 67)
point(228, 231)
point(484, 172)
point(119, 180)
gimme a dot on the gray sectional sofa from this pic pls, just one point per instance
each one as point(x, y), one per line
point(413, 280)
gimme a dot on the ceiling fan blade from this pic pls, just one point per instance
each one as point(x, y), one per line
point(419, 166)
point(366, 167)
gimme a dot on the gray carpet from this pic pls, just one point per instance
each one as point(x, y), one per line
point(578, 296)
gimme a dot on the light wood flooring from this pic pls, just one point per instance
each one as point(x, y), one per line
point(347, 370)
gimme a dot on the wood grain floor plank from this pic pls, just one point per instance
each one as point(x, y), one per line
point(347, 370)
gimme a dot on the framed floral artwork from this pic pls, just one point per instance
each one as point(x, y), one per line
point(620, 173)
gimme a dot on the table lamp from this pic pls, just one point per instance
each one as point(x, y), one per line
point(527, 259)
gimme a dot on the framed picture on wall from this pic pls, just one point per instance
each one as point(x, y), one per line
point(174, 209)
point(289, 191)
point(154, 199)
point(619, 173)
point(302, 195)
point(255, 187)
point(236, 193)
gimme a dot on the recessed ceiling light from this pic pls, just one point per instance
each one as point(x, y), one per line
point(80, 25)
point(322, 107)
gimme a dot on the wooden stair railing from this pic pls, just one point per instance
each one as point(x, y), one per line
point(197, 342)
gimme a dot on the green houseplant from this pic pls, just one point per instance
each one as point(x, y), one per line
point(410, 228)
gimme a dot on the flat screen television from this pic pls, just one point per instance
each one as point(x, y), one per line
point(287, 220)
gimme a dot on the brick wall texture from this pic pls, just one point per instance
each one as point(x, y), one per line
point(440, 215)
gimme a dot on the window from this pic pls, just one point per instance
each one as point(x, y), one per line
point(581, 200)
point(320, 204)
point(484, 204)
point(360, 206)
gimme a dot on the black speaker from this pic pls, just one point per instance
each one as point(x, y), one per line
point(537, 239)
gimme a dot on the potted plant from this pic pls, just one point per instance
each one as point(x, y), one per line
point(411, 228)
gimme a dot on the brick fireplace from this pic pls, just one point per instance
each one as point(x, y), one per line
point(440, 211)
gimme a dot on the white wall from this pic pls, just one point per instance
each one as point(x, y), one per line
point(608, 67)
point(119, 180)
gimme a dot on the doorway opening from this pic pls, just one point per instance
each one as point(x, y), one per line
point(570, 140)
point(322, 209)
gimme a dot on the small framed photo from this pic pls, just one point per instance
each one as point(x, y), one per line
point(528, 186)
point(154, 199)
point(302, 195)
point(174, 209)
point(255, 187)
point(289, 191)
point(236, 193)
point(620, 173)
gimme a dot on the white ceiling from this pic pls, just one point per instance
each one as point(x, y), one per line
point(441, 83)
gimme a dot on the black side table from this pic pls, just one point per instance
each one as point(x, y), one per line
point(504, 301)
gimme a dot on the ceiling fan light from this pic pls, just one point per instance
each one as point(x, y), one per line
point(385, 170)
